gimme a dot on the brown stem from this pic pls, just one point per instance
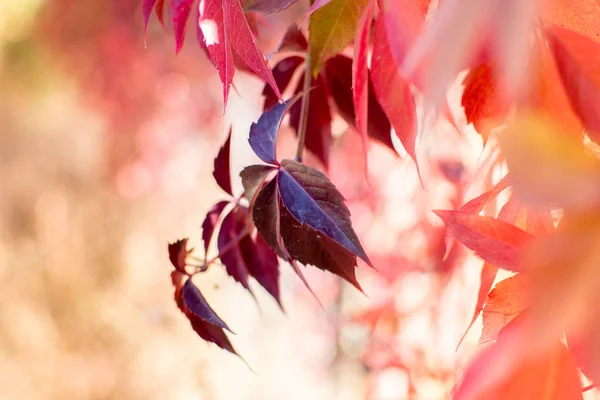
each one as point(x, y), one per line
point(304, 106)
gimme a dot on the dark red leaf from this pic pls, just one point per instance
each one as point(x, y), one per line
point(314, 201)
point(180, 11)
point(263, 133)
point(393, 91)
point(283, 73)
point(210, 222)
point(205, 322)
point(293, 40)
point(229, 249)
point(253, 177)
point(497, 242)
point(338, 70)
point(160, 11)
point(178, 254)
point(576, 57)
point(196, 304)
point(267, 6)
point(318, 127)
point(221, 170)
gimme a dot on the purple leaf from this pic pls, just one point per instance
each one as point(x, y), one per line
point(211, 333)
point(178, 254)
point(313, 200)
point(267, 6)
point(253, 178)
point(283, 73)
point(196, 304)
point(221, 170)
point(338, 71)
point(229, 250)
point(263, 133)
point(210, 222)
point(180, 10)
point(318, 127)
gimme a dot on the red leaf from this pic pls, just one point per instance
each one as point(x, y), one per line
point(318, 127)
point(497, 242)
point(180, 11)
point(196, 304)
point(360, 75)
point(224, 27)
point(178, 254)
point(210, 223)
point(228, 243)
point(481, 101)
point(393, 91)
point(402, 21)
point(213, 28)
point(160, 11)
point(477, 204)
point(506, 371)
point(221, 170)
point(243, 42)
point(576, 57)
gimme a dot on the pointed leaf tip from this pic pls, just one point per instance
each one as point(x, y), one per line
point(178, 254)
point(196, 304)
point(221, 170)
point(263, 133)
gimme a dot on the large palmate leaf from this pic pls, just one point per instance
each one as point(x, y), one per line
point(332, 28)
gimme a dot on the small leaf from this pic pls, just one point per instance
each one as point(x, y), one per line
point(312, 200)
point(481, 102)
point(508, 299)
point(196, 304)
point(332, 28)
point(180, 10)
point(393, 92)
point(210, 223)
point(263, 133)
point(267, 6)
point(178, 254)
point(497, 242)
point(283, 73)
point(318, 126)
point(221, 170)
point(476, 205)
point(253, 177)
point(576, 57)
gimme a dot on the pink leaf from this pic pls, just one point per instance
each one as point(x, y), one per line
point(180, 10)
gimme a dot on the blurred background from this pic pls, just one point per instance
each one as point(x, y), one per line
point(106, 151)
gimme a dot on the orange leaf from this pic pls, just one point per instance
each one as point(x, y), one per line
point(581, 16)
point(497, 242)
point(578, 61)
